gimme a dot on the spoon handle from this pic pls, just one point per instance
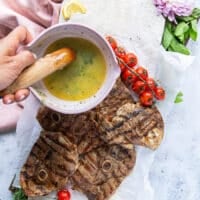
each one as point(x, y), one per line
point(40, 69)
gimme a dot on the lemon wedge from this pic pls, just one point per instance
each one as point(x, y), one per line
point(71, 7)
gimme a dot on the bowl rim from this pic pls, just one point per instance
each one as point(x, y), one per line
point(63, 109)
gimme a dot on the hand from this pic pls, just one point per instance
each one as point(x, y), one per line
point(13, 62)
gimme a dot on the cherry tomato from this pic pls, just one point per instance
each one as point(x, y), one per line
point(131, 59)
point(142, 72)
point(63, 195)
point(139, 87)
point(122, 66)
point(128, 77)
point(120, 52)
point(159, 93)
point(151, 84)
point(146, 98)
point(112, 42)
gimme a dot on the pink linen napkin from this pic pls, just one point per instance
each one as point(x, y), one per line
point(36, 15)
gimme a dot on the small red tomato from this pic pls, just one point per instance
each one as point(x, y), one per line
point(146, 98)
point(120, 52)
point(139, 87)
point(112, 42)
point(159, 93)
point(63, 195)
point(128, 77)
point(142, 72)
point(131, 59)
point(122, 65)
point(151, 84)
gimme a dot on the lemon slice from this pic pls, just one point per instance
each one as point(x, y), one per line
point(71, 7)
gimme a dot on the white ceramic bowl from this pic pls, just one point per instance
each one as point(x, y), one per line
point(39, 45)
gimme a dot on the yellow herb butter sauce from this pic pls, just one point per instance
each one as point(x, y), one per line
point(83, 77)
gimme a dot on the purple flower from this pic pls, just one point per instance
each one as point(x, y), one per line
point(172, 8)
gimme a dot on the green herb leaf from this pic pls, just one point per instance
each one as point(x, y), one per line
point(181, 28)
point(170, 49)
point(186, 37)
point(169, 25)
point(175, 37)
point(193, 30)
point(179, 98)
point(193, 35)
point(194, 25)
point(181, 38)
point(167, 38)
point(178, 47)
point(196, 13)
point(185, 19)
point(19, 195)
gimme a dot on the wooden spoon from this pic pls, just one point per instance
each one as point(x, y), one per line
point(40, 69)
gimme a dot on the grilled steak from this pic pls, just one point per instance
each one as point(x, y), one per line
point(118, 96)
point(102, 170)
point(132, 123)
point(81, 128)
point(52, 160)
point(119, 120)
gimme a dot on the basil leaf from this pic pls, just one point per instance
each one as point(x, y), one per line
point(186, 36)
point(194, 25)
point(168, 25)
point(185, 19)
point(170, 49)
point(19, 195)
point(181, 28)
point(178, 47)
point(167, 38)
point(193, 30)
point(196, 13)
point(181, 38)
point(179, 98)
point(193, 35)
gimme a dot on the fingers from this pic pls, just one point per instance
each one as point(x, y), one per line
point(23, 59)
point(14, 39)
point(20, 95)
point(21, 35)
point(8, 99)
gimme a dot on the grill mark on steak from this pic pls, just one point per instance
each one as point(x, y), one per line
point(39, 175)
point(58, 148)
point(80, 129)
point(131, 123)
point(98, 167)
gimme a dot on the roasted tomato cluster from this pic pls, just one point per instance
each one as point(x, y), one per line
point(136, 77)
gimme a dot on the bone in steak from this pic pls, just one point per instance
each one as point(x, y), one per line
point(52, 160)
point(102, 170)
point(80, 128)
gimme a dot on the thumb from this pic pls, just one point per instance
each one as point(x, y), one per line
point(24, 59)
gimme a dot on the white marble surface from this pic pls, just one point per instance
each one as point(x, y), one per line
point(175, 173)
